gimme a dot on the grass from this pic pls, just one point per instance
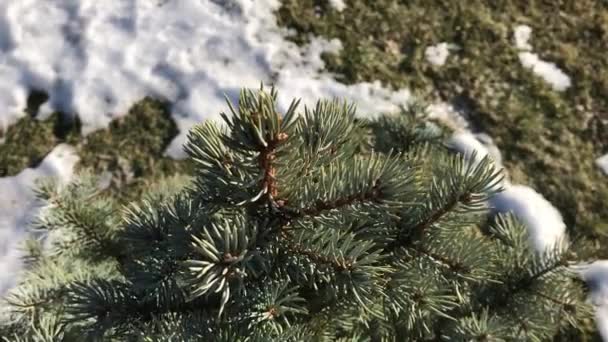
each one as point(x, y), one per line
point(549, 139)
point(130, 149)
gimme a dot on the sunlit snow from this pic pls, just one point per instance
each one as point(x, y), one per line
point(18, 205)
point(338, 5)
point(546, 70)
point(602, 162)
point(437, 54)
point(96, 58)
point(522, 34)
point(596, 277)
point(544, 222)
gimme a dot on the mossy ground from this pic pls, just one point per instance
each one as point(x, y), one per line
point(130, 149)
point(549, 139)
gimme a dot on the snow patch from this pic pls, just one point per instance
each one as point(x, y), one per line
point(18, 205)
point(596, 277)
point(546, 70)
point(447, 114)
point(522, 35)
point(437, 54)
point(601, 318)
point(96, 58)
point(602, 162)
point(545, 224)
point(467, 144)
point(338, 5)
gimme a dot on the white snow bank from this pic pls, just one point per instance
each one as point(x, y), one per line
point(596, 276)
point(601, 318)
point(545, 224)
point(447, 114)
point(602, 162)
point(437, 54)
point(467, 144)
point(480, 144)
point(18, 205)
point(96, 58)
point(546, 70)
point(338, 5)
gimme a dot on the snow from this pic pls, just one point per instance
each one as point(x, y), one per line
point(601, 317)
point(338, 5)
point(602, 162)
point(437, 54)
point(478, 145)
point(18, 205)
point(596, 276)
point(96, 58)
point(545, 224)
point(522, 35)
point(548, 71)
point(447, 114)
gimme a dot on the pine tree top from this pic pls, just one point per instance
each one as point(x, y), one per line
point(297, 226)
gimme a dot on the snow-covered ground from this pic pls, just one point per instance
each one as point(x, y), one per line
point(18, 206)
point(96, 58)
point(596, 275)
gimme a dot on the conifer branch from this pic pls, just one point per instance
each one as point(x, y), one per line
point(266, 162)
point(453, 265)
point(552, 299)
point(337, 265)
point(372, 195)
point(528, 281)
point(91, 231)
point(360, 247)
point(404, 238)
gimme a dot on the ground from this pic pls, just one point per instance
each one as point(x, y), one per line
point(131, 148)
point(549, 139)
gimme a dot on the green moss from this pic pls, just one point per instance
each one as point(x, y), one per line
point(130, 149)
point(26, 143)
point(549, 139)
